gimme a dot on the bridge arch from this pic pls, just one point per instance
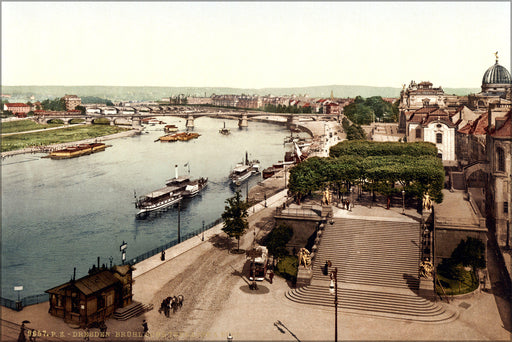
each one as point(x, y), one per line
point(475, 174)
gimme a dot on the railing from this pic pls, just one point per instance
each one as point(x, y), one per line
point(25, 301)
point(304, 211)
point(39, 298)
point(159, 249)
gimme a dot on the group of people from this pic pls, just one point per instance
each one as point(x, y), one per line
point(171, 302)
point(345, 204)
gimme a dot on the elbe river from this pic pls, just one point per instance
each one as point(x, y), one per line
point(61, 214)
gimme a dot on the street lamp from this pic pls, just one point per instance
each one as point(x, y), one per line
point(351, 199)
point(122, 248)
point(333, 290)
point(403, 202)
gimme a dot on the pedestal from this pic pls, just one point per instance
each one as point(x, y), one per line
point(426, 289)
point(304, 276)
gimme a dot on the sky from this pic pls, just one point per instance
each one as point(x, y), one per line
point(252, 44)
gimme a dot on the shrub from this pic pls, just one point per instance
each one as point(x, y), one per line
point(287, 268)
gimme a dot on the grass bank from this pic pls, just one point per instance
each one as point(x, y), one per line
point(24, 125)
point(69, 134)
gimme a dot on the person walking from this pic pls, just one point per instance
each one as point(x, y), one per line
point(145, 326)
point(271, 276)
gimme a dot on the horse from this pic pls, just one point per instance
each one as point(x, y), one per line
point(180, 300)
point(174, 304)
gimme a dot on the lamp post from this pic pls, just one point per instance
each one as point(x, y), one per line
point(333, 290)
point(351, 198)
point(179, 221)
point(122, 248)
point(403, 202)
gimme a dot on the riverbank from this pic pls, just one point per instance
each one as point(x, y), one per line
point(53, 147)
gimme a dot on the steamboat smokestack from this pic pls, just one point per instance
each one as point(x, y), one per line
point(176, 171)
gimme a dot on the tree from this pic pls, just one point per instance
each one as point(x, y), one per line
point(355, 132)
point(277, 240)
point(235, 217)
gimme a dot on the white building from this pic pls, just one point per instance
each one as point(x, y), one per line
point(434, 125)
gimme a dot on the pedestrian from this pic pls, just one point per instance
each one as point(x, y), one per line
point(271, 276)
point(162, 256)
point(145, 326)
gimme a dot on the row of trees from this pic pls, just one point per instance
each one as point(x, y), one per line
point(413, 169)
point(364, 148)
point(364, 111)
point(54, 105)
point(287, 109)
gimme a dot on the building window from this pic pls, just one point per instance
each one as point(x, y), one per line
point(418, 132)
point(439, 138)
point(440, 155)
point(501, 159)
point(505, 207)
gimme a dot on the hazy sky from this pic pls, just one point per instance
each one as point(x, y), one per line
point(252, 44)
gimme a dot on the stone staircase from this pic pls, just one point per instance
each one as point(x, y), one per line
point(377, 265)
point(133, 310)
point(384, 253)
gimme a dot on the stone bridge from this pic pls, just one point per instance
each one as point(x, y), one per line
point(135, 120)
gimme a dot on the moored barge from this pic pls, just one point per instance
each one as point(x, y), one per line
point(183, 136)
point(77, 151)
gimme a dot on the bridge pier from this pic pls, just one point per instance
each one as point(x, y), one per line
point(190, 122)
point(136, 122)
point(88, 121)
point(292, 122)
point(242, 122)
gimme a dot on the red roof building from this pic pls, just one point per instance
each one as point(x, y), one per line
point(18, 109)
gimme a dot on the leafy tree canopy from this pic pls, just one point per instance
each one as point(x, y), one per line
point(413, 168)
point(364, 111)
point(277, 240)
point(375, 148)
point(235, 217)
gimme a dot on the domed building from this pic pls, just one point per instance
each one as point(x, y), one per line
point(496, 88)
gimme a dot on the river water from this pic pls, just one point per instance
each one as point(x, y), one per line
point(61, 214)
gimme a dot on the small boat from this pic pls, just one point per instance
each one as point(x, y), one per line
point(224, 131)
point(243, 171)
point(77, 151)
point(170, 128)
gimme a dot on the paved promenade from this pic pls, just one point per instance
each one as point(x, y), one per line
point(264, 314)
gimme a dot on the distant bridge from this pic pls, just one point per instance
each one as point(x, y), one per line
point(135, 119)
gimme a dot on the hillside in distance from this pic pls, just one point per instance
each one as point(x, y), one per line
point(121, 93)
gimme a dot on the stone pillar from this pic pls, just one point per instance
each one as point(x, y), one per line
point(242, 122)
point(190, 122)
point(304, 276)
point(426, 289)
point(136, 122)
point(292, 121)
